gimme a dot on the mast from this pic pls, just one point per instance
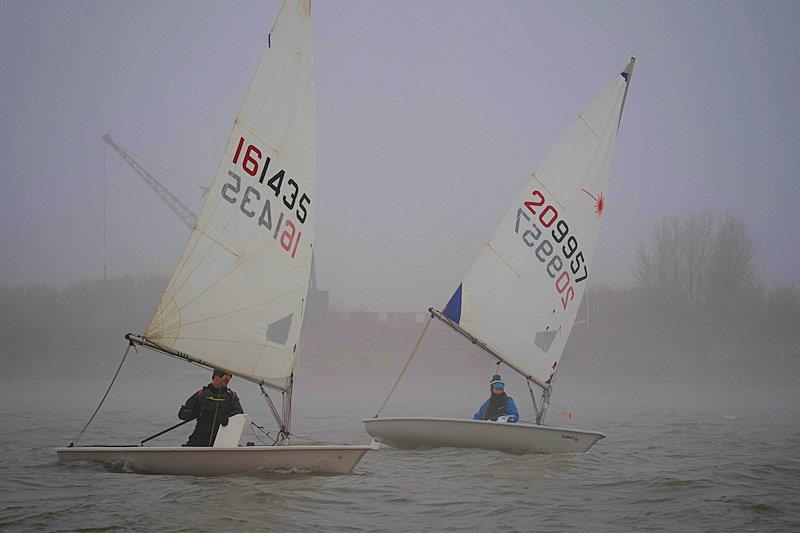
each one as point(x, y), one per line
point(627, 74)
point(287, 405)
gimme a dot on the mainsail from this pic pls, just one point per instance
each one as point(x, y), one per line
point(521, 295)
point(237, 295)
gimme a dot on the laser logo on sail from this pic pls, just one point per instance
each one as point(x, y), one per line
point(599, 202)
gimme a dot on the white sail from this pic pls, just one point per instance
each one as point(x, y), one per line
point(521, 295)
point(237, 295)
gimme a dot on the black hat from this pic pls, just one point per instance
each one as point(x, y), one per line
point(497, 382)
point(218, 372)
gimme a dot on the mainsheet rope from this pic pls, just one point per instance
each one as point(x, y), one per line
point(75, 440)
point(405, 367)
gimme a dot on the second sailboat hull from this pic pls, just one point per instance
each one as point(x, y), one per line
point(426, 432)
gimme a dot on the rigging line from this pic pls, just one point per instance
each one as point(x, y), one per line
point(224, 228)
point(553, 196)
point(103, 399)
point(271, 406)
point(296, 107)
point(261, 428)
point(165, 170)
point(258, 136)
point(405, 367)
point(196, 243)
point(564, 412)
point(105, 219)
point(285, 40)
point(583, 119)
point(503, 259)
point(309, 439)
point(288, 354)
point(234, 341)
point(210, 206)
point(258, 359)
point(178, 326)
point(214, 239)
point(229, 272)
point(208, 250)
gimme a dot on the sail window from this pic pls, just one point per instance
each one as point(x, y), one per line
point(278, 331)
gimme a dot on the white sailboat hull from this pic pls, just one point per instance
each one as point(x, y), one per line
point(425, 432)
point(190, 461)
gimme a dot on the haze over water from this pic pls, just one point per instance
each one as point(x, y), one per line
point(430, 118)
point(688, 448)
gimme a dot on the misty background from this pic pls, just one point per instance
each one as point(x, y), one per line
point(430, 118)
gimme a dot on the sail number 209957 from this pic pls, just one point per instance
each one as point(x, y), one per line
point(545, 251)
point(253, 205)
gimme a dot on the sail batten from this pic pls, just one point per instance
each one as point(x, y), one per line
point(521, 296)
point(237, 296)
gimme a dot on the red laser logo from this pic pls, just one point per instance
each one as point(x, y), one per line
point(599, 203)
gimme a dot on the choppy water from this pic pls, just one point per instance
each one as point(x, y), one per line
point(684, 452)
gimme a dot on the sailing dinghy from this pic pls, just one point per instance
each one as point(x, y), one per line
point(519, 300)
point(236, 299)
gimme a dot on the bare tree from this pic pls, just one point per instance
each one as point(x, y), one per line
point(780, 312)
point(673, 262)
point(732, 283)
point(699, 270)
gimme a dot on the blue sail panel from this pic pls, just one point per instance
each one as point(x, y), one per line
point(453, 308)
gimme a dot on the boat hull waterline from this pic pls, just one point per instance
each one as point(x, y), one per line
point(428, 432)
point(191, 461)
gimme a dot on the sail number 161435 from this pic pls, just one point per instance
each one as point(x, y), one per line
point(254, 200)
point(252, 160)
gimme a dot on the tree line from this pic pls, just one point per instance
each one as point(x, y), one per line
point(696, 286)
point(698, 275)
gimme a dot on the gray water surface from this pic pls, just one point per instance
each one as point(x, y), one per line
point(687, 449)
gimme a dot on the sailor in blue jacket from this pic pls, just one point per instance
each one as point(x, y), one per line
point(499, 404)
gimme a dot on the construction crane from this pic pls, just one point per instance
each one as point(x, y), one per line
point(183, 211)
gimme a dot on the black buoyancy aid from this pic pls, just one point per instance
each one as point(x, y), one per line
point(496, 407)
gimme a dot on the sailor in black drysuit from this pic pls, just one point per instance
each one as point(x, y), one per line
point(212, 406)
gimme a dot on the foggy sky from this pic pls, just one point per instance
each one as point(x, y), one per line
point(430, 118)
